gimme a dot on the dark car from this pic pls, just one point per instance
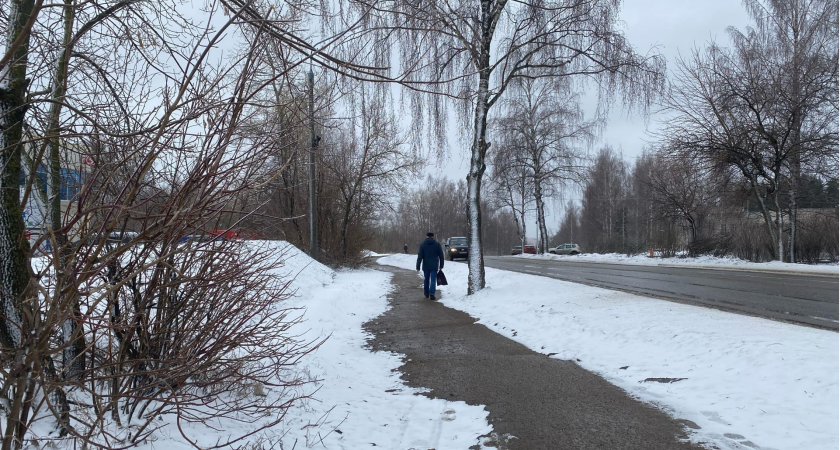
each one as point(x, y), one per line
point(457, 247)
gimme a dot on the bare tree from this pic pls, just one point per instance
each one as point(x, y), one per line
point(718, 104)
point(603, 214)
point(767, 107)
point(366, 166)
point(569, 224)
point(473, 50)
point(512, 183)
point(544, 131)
point(681, 189)
point(799, 56)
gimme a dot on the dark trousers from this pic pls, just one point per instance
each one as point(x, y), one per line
point(429, 281)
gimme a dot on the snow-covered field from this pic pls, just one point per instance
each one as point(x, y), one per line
point(359, 400)
point(747, 382)
point(707, 262)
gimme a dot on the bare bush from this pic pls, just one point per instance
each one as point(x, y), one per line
point(123, 313)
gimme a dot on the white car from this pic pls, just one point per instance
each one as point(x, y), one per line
point(566, 249)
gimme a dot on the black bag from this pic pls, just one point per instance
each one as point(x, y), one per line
point(441, 278)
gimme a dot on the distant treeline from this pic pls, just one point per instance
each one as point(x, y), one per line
point(674, 208)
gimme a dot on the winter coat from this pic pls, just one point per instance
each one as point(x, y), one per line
point(429, 253)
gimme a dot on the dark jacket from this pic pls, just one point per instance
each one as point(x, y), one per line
point(429, 253)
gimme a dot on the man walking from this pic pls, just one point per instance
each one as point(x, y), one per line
point(430, 254)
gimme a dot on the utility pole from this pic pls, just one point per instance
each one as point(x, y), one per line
point(314, 248)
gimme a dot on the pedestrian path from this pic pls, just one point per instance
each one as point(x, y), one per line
point(534, 402)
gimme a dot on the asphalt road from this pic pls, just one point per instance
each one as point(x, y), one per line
point(798, 298)
point(534, 402)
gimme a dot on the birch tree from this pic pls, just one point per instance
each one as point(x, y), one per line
point(545, 132)
point(472, 50)
point(512, 184)
point(603, 210)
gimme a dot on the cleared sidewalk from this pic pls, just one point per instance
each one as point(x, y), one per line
point(534, 402)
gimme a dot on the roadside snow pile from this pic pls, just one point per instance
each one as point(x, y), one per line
point(359, 400)
point(708, 262)
point(745, 381)
point(371, 254)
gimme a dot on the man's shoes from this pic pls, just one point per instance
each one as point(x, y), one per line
point(427, 295)
point(432, 297)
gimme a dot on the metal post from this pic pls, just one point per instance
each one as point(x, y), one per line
point(314, 250)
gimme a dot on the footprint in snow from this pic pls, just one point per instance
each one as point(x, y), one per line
point(714, 417)
point(449, 415)
point(740, 439)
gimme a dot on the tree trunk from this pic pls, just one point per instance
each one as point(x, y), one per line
point(524, 230)
point(476, 280)
point(543, 232)
point(768, 221)
point(14, 276)
point(345, 223)
point(795, 174)
point(796, 98)
point(14, 248)
point(779, 227)
point(65, 290)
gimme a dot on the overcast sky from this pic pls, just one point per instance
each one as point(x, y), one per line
point(669, 27)
point(673, 27)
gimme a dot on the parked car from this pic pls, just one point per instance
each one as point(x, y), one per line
point(517, 250)
point(457, 247)
point(566, 249)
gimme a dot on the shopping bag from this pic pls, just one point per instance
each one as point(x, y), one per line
point(441, 278)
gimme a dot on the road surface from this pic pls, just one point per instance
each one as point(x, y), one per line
point(799, 298)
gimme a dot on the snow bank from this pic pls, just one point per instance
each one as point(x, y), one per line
point(361, 401)
point(358, 399)
point(747, 381)
point(705, 262)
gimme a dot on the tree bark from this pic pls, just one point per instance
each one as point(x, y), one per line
point(780, 227)
point(543, 231)
point(768, 221)
point(14, 274)
point(476, 281)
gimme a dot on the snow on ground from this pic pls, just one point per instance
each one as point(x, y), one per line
point(707, 262)
point(359, 400)
point(748, 382)
point(354, 392)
